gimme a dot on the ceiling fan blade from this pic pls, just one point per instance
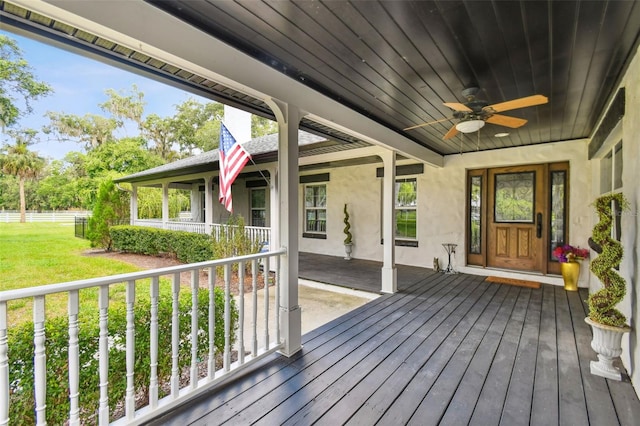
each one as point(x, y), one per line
point(426, 124)
point(456, 106)
point(518, 103)
point(451, 133)
point(507, 121)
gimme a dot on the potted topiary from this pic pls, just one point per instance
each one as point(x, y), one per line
point(348, 240)
point(607, 322)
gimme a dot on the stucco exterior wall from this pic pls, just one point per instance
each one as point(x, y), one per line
point(441, 205)
point(630, 238)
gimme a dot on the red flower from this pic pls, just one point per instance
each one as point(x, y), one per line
point(569, 253)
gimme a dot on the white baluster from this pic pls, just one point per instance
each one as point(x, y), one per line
point(39, 360)
point(195, 281)
point(130, 398)
point(211, 365)
point(227, 318)
point(175, 336)
point(265, 277)
point(277, 299)
point(103, 305)
point(153, 344)
point(4, 366)
point(241, 313)
point(74, 359)
point(254, 317)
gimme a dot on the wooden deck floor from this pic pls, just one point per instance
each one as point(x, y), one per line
point(448, 350)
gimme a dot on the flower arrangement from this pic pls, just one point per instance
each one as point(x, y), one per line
point(569, 253)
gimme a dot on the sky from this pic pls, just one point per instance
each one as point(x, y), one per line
point(79, 85)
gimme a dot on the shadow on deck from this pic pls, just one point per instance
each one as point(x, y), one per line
point(447, 349)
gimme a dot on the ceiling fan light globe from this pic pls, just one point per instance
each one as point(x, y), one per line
point(470, 126)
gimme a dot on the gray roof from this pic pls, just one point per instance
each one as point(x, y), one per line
point(263, 149)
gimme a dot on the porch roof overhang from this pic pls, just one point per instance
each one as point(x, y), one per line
point(263, 150)
point(367, 70)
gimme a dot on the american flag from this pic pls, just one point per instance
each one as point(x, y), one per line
point(233, 157)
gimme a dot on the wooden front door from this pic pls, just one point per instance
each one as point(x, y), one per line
point(516, 217)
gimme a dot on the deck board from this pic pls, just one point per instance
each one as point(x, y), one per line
point(494, 389)
point(447, 350)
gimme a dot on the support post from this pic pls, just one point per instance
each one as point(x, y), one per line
point(133, 205)
point(290, 314)
point(165, 205)
point(389, 272)
point(208, 203)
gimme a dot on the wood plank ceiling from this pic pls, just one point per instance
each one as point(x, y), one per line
point(397, 62)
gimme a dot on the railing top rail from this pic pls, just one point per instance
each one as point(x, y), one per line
point(43, 290)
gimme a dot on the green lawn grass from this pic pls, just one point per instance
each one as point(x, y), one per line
point(33, 254)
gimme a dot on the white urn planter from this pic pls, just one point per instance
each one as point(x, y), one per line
point(347, 250)
point(607, 342)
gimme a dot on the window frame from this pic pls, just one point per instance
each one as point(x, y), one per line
point(314, 233)
point(404, 240)
point(252, 208)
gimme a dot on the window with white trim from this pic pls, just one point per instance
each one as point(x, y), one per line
point(315, 209)
point(258, 207)
point(406, 209)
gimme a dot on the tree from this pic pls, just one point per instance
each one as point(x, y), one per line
point(197, 126)
point(17, 160)
point(160, 131)
point(125, 107)
point(18, 85)
point(261, 126)
point(111, 208)
point(91, 129)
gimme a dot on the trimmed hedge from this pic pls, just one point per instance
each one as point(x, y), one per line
point(187, 247)
point(21, 350)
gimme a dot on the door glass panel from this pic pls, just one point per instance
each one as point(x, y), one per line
point(558, 211)
point(617, 167)
point(474, 225)
point(514, 197)
point(606, 167)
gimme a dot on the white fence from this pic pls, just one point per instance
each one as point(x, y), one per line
point(62, 216)
point(250, 348)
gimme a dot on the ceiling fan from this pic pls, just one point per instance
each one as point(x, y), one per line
point(474, 113)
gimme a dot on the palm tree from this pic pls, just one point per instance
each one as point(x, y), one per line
point(17, 160)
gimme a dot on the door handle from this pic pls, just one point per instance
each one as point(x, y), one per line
point(539, 225)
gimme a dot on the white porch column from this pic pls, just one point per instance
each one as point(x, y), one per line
point(274, 208)
point(290, 314)
point(165, 205)
point(133, 205)
point(389, 272)
point(196, 203)
point(208, 203)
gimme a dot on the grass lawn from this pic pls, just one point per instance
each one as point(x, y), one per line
point(33, 254)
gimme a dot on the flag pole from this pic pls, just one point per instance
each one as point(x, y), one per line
point(250, 158)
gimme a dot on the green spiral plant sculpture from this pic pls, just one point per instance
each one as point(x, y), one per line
point(602, 303)
point(347, 226)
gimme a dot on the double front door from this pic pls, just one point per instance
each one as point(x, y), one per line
point(517, 215)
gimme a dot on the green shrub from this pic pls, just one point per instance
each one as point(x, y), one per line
point(187, 247)
point(602, 304)
point(21, 350)
point(232, 240)
point(111, 208)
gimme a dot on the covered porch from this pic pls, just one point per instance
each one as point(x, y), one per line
point(445, 349)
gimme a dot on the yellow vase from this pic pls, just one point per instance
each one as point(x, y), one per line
point(570, 274)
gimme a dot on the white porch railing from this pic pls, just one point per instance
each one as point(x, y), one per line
point(255, 233)
point(250, 348)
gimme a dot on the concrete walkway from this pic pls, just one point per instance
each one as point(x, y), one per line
point(320, 303)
